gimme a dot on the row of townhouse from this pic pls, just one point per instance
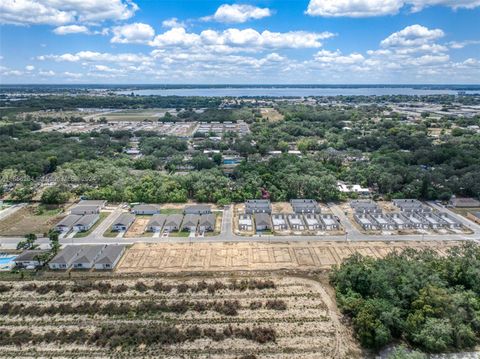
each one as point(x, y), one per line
point(101, 257)
point(169, 223)
point(299, 206)
point(408, 220)
point(281, 222)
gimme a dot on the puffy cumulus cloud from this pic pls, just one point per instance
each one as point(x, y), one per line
point(29, 67)
point(60, 12)
point(172, 22)
point(92, 56)
point(238, 13)
point(236, 39)
point(136, 33)
point(353, 8)
point(411, 36)
point(71, 29)
point(368, 8)
point(336, 57)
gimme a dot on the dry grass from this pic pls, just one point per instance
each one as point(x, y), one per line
point(26, 220)
point(271, 114)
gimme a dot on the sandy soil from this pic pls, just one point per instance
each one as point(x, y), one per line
point(309, 327)
point(137, 228)
point(211, 257)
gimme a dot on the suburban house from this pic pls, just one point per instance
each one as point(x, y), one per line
point(411, 205)
point(312, 222)
point(155, 224)
point(30, 259)
point(365, 206)
point(279, 222)
point(64, 259)
point(400, 221)
point(382, 221)
point(190, 222)
point(87, 256)
point(434, 221)
point(207, 222)
point(198, 209)
point(245, 222)
point(352, 188)
point(464, 202)
point(305, 206)
point(109, 257)
point(417, 220)
point(86, 222)
point(123, 222)
point(172, 222)
point(262, 222)
point(474, 216)
point(148, 209)
point(330, 222)
point(66, 224)
point(451, 221)
point(365, 221)
point(85, 209)
point(296, 222)
point(253, 206)
point(93, 202)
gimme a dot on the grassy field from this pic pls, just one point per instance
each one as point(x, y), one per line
point(30, 219)
point(189, 317)
point(136, 115)
point(103, 215)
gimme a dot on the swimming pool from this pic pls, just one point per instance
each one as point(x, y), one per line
point(7, 262)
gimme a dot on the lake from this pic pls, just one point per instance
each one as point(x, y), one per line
point(291, 91)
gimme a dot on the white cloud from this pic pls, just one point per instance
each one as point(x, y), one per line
point(137, 33)
point(29, 67)
point(235, 39)
point(60, 12)
point(462, 44)
point(353, 8)
point(367, 8)
point(336, 57)
point(97, 56)
point(71, 29)
point(48, 73)
point(414, 35)
point(238, 13)
point(172, 22)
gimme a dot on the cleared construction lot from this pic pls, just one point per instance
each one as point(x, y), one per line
point(178, 257)
point(196, 317)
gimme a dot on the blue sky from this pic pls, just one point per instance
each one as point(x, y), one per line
point(256, 41)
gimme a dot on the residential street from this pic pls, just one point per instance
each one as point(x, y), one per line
point(227, 235)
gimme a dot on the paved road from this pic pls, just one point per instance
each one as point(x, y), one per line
point(227, 235)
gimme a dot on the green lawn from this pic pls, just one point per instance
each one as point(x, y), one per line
point(110, 233)
point(171, 211)
point(179, 234)
point(103, 215)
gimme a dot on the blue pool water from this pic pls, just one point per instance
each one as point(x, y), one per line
point(230, 162)
point(6, 261)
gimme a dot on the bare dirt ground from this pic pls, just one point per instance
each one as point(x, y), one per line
point(185, 257)
point(308, 325)
point(282, 207)
point(137, 228)
point(26, 220)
